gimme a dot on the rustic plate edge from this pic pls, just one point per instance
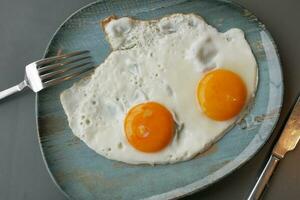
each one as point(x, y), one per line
point(176, 192)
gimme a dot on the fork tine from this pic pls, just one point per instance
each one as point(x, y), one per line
point(60, 57)
point(62, 64)
point(61, 71)
point(66, 77)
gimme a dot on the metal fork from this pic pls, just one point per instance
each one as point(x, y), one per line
point(51, 71)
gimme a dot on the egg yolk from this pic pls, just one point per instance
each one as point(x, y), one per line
point(221, 94)
point(149, 127)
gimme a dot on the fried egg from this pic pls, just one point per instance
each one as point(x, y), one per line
point(169, 89)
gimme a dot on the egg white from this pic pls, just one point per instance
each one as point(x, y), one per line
point(159, 61)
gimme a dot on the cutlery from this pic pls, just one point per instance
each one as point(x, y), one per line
point(287, 142)
point(52, 71)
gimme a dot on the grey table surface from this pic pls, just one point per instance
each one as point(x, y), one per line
point(25, 29)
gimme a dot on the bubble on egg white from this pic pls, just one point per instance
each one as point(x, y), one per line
point(228, 38)
point(207, 54)
point(185, 154)
point(134, 69)
point(192, 23)
point(87, 122)
point(169, 90)
point(120, 145)
point(167, 28)
point(202, 53)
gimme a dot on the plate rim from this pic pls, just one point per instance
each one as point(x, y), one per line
point(174, 193)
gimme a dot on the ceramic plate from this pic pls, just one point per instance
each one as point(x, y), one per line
point(83, 174)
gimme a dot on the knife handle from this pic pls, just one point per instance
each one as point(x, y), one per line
point(264, 178)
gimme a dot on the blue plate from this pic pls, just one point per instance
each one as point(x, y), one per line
point(83, 174)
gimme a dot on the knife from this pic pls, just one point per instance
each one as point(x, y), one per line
point(287, 142)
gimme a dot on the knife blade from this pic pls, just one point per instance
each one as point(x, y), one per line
point(290, 135)
point(288, 141)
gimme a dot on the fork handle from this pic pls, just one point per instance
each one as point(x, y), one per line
point(13, 90)
point(264, 178)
